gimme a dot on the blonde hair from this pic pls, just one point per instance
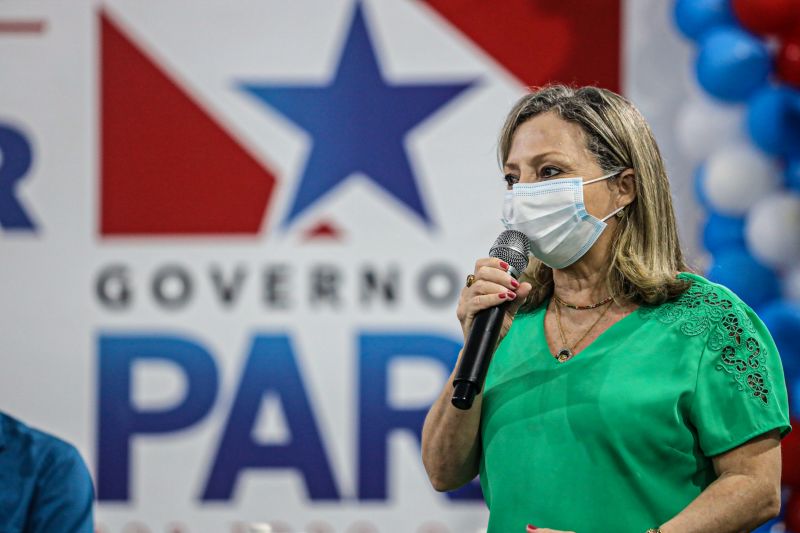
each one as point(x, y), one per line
point(645, 249)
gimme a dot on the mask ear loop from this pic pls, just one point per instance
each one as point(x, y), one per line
point(615, 173)
point(614, 212)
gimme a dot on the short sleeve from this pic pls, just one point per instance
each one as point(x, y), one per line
point(740, 391)
point(64, 494)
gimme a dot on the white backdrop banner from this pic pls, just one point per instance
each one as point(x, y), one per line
point(234, 235)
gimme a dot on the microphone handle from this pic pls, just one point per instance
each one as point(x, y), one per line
point(478, 351)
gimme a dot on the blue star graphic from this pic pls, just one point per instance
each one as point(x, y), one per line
point(358, 122)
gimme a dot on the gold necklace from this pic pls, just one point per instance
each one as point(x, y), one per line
point(566, 353)
point(582, 307)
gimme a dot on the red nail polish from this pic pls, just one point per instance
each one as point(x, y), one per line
point(504, 265)
point(514, 283)
point(511, 295)
point(502, 295)
point(532, 528)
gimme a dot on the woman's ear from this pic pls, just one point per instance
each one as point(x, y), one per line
point(626, 187)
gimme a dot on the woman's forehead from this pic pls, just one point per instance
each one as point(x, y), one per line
point(547, 133)
point(547, 136)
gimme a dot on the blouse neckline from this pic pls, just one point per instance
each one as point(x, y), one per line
point(625, 325)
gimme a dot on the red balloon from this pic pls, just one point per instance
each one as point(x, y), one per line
point(791, 512)
point(790, 452)
point(767, 17)
point(787, 63)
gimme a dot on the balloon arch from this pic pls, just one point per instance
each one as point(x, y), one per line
point(743, 130)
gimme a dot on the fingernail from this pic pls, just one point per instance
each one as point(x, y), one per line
point(511, 295)
point(532, 528)
point(504, 265)
point(514, 283)
point(502, 295)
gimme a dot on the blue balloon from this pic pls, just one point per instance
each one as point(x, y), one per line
point(695, 17)
point(732, 64)
point(783, 321)
point(722, 233)
point(768, 526)
point(699, 188)
point(773, 120)
point(753, 282)
point(792, 174)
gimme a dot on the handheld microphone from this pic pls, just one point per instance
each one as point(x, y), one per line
point(512, 247)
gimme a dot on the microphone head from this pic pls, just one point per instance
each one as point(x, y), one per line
point(513, 247)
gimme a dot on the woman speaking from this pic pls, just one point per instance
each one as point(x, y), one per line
point(627, 394)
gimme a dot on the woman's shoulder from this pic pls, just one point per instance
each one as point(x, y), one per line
point(704, 291)
point(737, 345)
point(700, 283)
point(701, 308)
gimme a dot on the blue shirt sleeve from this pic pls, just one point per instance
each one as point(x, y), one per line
point(64, 494)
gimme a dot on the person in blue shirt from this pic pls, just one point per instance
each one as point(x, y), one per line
point(44, 484)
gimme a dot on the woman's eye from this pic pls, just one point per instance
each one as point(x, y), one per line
point(510, 180)
point(549, 172)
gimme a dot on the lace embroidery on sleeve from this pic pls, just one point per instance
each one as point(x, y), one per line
point(731, 334)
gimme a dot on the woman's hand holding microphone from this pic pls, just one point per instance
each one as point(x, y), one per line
point(491, 285)
point(450, 437)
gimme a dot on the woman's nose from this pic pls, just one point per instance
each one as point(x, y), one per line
point(528, 177)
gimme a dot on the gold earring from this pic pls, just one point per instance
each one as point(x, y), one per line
point(621, 214)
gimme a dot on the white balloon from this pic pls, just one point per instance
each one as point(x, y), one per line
point(773, 230)
point(703, 126)
point(791, 285)
point(737, 176)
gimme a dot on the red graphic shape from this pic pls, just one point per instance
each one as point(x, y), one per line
point(322, 230)
point(167, 168)
point(541, 41)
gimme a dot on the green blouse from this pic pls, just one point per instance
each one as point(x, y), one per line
point(619, 438)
